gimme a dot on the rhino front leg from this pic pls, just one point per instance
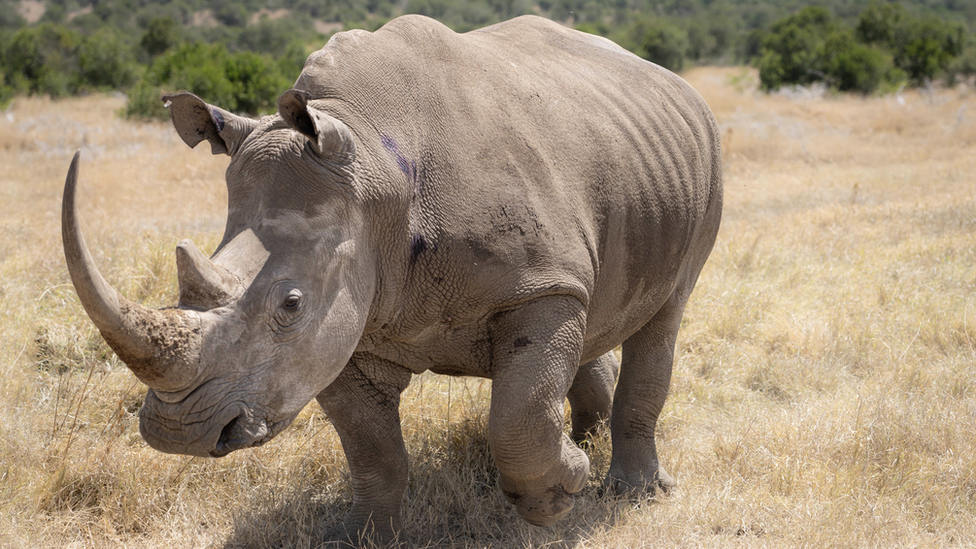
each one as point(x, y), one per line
point(591, 396)
point(535, 356)
point(363, 406)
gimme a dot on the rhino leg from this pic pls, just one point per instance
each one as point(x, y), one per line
point(535, 356)
point(363, 406)
point(645, 376)
point(591, 396)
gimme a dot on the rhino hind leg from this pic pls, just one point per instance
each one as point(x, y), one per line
point(591, 395)
point(535, 355)
point(363, 406)
point(645, 377)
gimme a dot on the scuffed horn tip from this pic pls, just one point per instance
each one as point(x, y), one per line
point(160, 347)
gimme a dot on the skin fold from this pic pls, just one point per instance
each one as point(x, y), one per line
point(510, 203)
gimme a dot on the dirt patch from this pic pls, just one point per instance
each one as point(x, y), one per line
point(77, 13)
point(270, 14)
point(203, 18)
point(326, 27)
point(31, 10)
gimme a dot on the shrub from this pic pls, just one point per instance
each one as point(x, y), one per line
point(664, 44)
point(161, 34)
point(887, 46)
point(657, 41)
point(850, 66)
point(963, 67)
point(43, 60)
point(878, 23)
point(105, 61)
point(922, 48)
point(790, 51)
point(241, 82)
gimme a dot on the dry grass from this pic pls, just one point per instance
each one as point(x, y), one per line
point(824, 394)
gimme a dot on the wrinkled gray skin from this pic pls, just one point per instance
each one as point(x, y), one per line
point(510, 203)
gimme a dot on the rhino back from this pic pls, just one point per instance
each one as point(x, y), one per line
point(521, 160)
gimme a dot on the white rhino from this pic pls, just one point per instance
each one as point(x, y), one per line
point(510, 203)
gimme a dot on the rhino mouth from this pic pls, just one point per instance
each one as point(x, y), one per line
point(174, 429)
point(241, 432)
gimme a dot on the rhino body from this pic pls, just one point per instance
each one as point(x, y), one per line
point(510, 203)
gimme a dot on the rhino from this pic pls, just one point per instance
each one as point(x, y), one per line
point(511, 203)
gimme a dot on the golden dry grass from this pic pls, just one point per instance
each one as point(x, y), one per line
point(824, 392)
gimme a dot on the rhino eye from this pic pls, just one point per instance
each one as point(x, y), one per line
point(292, 301)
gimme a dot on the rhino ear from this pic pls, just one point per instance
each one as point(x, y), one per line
point(195, 121)
point(330, 137)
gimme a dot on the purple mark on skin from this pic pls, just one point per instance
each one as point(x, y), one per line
point(417, 247)
point(218, 120)
point(418, 244)
point(408, 167)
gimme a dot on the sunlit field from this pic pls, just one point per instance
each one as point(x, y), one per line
point(825, 384)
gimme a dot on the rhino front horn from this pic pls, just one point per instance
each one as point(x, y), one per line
point(161, 347)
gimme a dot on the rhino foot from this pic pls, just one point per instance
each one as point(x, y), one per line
point(623, 485)
point(545, 509)
point(370, 534)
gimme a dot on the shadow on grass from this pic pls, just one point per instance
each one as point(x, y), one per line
point(452, 500)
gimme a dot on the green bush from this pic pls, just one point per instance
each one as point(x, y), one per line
point(879, 23)
point(7, 92)
point(922, 48)
point(43, 60)
point(850, 66)
point(886, 47)
point(666, 45)
point(657, 41)
point(709, 40)
point(161, 34)
point(790, 52)
point(925, 48)
point(106, 62)
point(243, 82)
point(963, 67)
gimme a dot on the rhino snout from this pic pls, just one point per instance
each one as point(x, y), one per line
point(191, 428)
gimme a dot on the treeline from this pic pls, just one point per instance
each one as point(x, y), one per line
point(888, 47)
point(228, 59)
point(241, 54)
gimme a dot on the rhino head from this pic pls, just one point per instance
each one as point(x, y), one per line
point(272, 318)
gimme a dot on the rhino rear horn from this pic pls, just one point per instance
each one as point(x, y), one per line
point(160, 347)
point(203, 284)
point(195, 121)
point(331, 138)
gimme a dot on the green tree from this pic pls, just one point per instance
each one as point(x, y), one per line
point(963, 67)
point(106, 62)
point(666, 45)
point(244, 82)
point(925, 48)
point(657, 41)
point(921, 47)
point(43, 60)
point(790, 51)
point(852, 66)
point(161, 34)
point(879, 23)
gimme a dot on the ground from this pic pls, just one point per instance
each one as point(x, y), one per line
point(824, 392)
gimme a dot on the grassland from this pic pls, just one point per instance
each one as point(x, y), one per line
point(825, 384)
